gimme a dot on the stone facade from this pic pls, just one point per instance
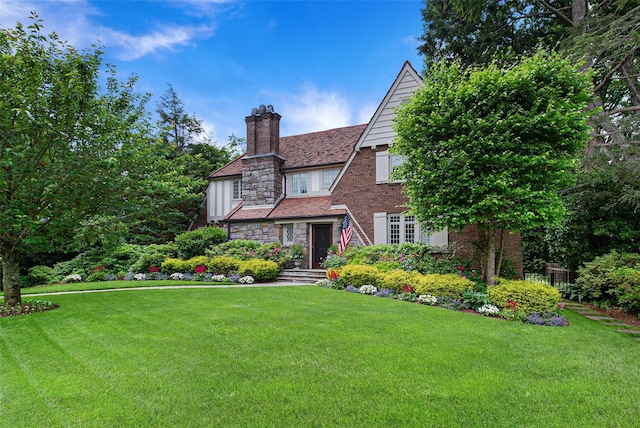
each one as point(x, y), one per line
point(264, 232)
point(261, 180)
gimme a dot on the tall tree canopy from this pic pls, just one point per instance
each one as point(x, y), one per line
point(179, 129)
point(602, 36)
point(492, 146)
point(66, 144)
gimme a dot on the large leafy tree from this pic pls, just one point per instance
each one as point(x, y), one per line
point(492, 146)
point(66, 143)
point(603, 36)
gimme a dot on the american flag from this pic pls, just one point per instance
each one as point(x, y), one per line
point(345, 236)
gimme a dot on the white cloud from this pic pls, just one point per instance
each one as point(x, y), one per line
point(311, 110)
point(133, 47)
point(76, 21)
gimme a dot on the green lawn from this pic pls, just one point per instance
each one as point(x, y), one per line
point(302, 357)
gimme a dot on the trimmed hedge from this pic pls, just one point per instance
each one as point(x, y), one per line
point(397, 279)
point(529, 296)
point(223, 265)
point(359, 275)
point(261, 270)
point(443, 285)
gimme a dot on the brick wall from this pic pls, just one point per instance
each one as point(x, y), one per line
point(359, 192)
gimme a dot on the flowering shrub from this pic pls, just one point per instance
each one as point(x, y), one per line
point(176, 276)
point(323, 282)
point(427, 299)
point(385, 292)
point(332, 274)
point(488, 309)
point(368, 289)
point(246, 280)
point(154, 269)
point(218, 278)
point(234, 278)
point(546, 318)
point(352, 289)
point(27, 307)
point(140, 277)
point(200, 269)
point(334, 261)
point(74, 277)
point(451, 303)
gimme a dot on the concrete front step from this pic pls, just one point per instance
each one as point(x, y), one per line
point(305, 276)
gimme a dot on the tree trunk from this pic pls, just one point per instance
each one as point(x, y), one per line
point(487, 254)
point(11, 278)
point(501, 253)
point(491, 258)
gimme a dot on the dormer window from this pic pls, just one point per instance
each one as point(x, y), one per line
point(328, 175)
point(299, 183)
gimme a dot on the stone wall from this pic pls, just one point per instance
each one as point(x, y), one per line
point(264, 232)
point(261, 180)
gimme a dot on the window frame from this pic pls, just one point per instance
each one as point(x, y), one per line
point(297, 179)
point(236, 190)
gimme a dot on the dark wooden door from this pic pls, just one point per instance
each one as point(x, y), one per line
point(322, 240)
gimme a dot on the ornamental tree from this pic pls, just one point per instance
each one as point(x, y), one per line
point(492, 146)
point(66, 144)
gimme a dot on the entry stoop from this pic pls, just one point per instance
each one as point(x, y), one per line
point(301, 276)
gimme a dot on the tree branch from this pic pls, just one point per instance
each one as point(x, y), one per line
point(558, 12)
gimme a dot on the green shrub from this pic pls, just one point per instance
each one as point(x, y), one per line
point(261, 270)
point(119, 259)
point(244, 249)
point(172, 265)
point(606, 279)
point(359, 275)
point(223, 265)
point(154, 255)
point(529, 296)
point(397, 279)
point(628, 289)
point(387, 266)
point(96, 276)
point(443, 285)
point(39, 275)
point(197, 242)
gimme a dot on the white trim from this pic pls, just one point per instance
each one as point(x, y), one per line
point(406, 71)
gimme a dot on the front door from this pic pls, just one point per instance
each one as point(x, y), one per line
point(321, 241)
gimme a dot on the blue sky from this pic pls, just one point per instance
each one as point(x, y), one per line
point(321, 64)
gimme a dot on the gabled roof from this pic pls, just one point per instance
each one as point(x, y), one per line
point(379, 130)
point(329, 147)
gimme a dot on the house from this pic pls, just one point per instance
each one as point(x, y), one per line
point(298, 189)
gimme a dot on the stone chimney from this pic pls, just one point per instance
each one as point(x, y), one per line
point(262, 166)
point(263, 131)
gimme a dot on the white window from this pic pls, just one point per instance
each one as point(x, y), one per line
point(394, 162)
point(328, 175)
point(299, 183)
point(287, 234)
point(237, 189)
point(386, 164)
point(400, 228)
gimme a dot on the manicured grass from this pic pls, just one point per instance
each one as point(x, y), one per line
point(108, 285)
point(305, 356)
